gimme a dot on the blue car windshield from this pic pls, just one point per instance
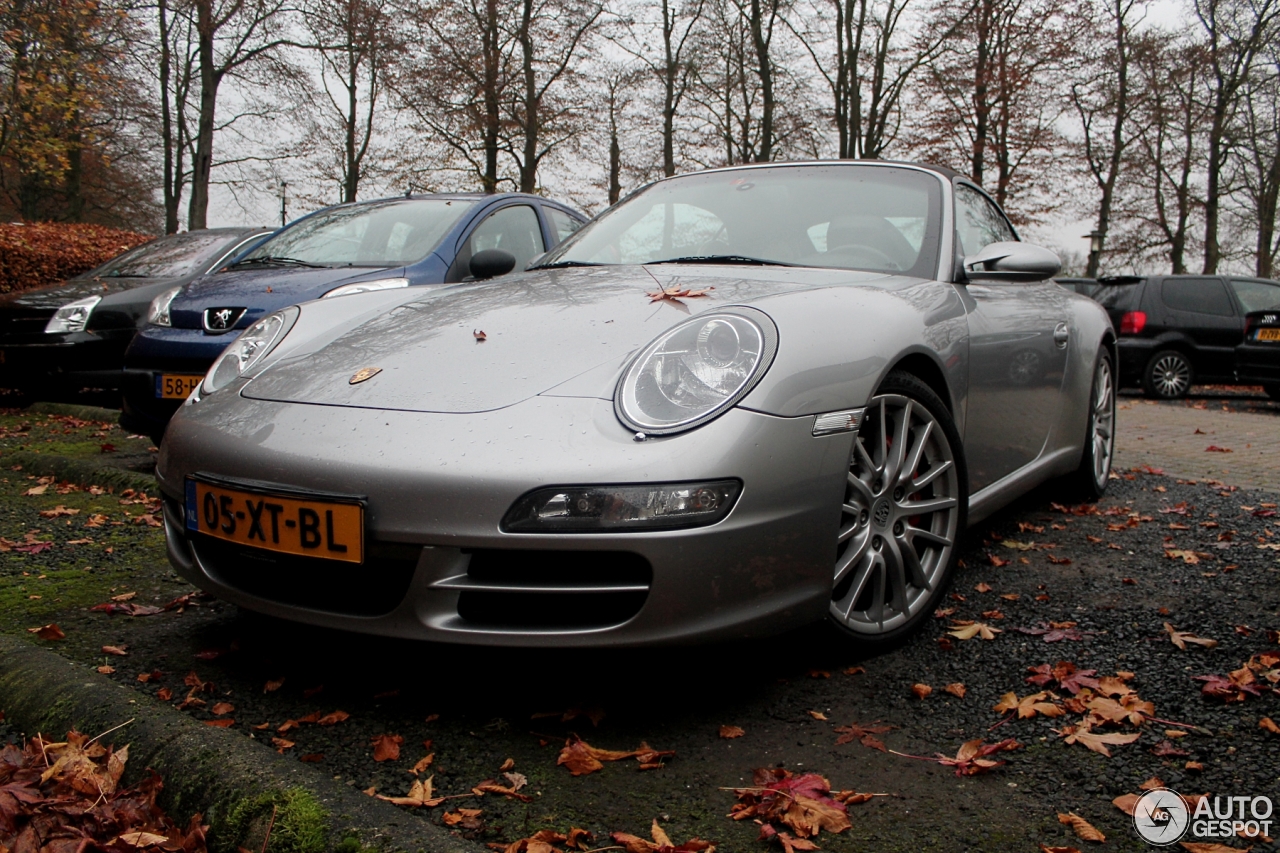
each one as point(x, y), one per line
point(846, 216)
point(389, 233)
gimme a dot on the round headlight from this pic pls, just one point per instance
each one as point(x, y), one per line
point(695, 371)
point(249, 349)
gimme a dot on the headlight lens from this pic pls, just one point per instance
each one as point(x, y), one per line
point(249, 349)
point(73, 316)
point(366, 286)
point(695, 371)
point(158, 313)
point(584, 509)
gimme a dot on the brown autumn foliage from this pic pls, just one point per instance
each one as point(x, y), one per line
point(804, 803)
point(582, 758)
point(42, 253)
point(66, 796)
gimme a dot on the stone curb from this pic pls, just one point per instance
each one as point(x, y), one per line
point(84, 413)
point(233, 781)
point(79, 471)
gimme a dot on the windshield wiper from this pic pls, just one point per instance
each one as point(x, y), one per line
point(559, 265)
point(722, 259)
point(116, 274)
point(277, 260)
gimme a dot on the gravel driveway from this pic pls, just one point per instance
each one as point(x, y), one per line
point(1200, 556)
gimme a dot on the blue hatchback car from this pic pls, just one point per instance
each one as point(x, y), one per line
point(375, 245)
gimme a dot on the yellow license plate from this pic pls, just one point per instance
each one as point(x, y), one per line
point(176, 386)
point(1269, 334)
point(329, 529)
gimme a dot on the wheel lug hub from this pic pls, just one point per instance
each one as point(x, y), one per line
point(898, 493)
point(897, 528)
point(877, 542)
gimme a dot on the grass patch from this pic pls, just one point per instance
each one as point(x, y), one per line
point(301, 824)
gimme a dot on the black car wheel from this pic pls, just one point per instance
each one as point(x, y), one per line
point(1168, 375)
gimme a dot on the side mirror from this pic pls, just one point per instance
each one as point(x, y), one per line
point(490, 263)
point(1012, 261)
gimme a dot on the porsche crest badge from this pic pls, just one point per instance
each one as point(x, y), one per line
point(363, 374)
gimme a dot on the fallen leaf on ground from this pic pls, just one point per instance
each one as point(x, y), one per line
point(730, 732)
point(48, 632)
point(420, 794)
point(1082, 735)
point(1181, 638)
point(971, 759)
point(801, 802)
point(1268, 724)
point(817, 715)
point(1029, 706)
point(865, 735)
point(965, 630)
point(581, 757)
point(332, 719)
point(115, 650)
point(1082, 828)
point(386, 747)
point(222, 709)
point(956, 689)
point(920, 691)
point(423, 764)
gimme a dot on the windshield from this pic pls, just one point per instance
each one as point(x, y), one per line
point(168, 257)
point(378, 234)
point(846, 216)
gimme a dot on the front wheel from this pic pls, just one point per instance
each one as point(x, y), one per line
point(1168, 375)
point(904, 505)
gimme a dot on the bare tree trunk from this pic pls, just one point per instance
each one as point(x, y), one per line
point(490, 43)
point(761, 37)
point(172, 189)
point(202, 167)
point(529, 160)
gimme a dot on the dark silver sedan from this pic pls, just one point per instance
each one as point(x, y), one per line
point(737, 402)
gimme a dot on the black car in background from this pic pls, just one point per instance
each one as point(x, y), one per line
point(1258, 357)
point(74, 334)
point(1176, 330)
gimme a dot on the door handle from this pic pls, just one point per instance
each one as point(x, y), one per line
point(1061, 335)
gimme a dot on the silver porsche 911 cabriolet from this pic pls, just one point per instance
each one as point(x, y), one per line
point(737, 402)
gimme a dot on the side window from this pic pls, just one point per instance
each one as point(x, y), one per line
point(1256, 295)
point(978, 222)
point(1197, 296)
point(512, 229)
point(562, 224)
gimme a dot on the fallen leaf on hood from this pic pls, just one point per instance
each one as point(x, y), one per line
point(1082, 828)
point(1213, 448)
point(386, 747)
point(581, 757)
point(1181, 638)
point(420, 794)
point(730, 732)
point(865, 735)
point(801, 802)
point(479, 335)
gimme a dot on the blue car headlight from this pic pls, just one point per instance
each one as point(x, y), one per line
point(248, 350)
point(695, 371)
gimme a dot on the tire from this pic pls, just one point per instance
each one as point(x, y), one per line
point(1089, 481)
point(1168, 375)
point(893, 564)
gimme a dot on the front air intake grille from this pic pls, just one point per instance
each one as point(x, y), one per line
point(549, 590)
point(373, 589)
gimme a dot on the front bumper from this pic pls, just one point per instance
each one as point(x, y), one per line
point(437, 486)
point(77, 359)
point(158, 350)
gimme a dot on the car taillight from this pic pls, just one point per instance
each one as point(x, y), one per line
point(1133, 322)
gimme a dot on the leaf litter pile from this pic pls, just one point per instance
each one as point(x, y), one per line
point(64, 797)
point(1052, 685)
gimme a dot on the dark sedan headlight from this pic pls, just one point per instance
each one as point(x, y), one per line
point(695, 371)
point(246, 351)
point(158, 310)
point(73, 316)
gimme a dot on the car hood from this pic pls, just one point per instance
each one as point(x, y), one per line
point(269, 287)
point(50, 299)
point(541, 329)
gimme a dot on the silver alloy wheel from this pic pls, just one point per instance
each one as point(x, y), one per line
point(899, 520)
point(1171, 375)
point(1103, 420)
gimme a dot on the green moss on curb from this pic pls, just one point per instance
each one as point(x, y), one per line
point(301, 824)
